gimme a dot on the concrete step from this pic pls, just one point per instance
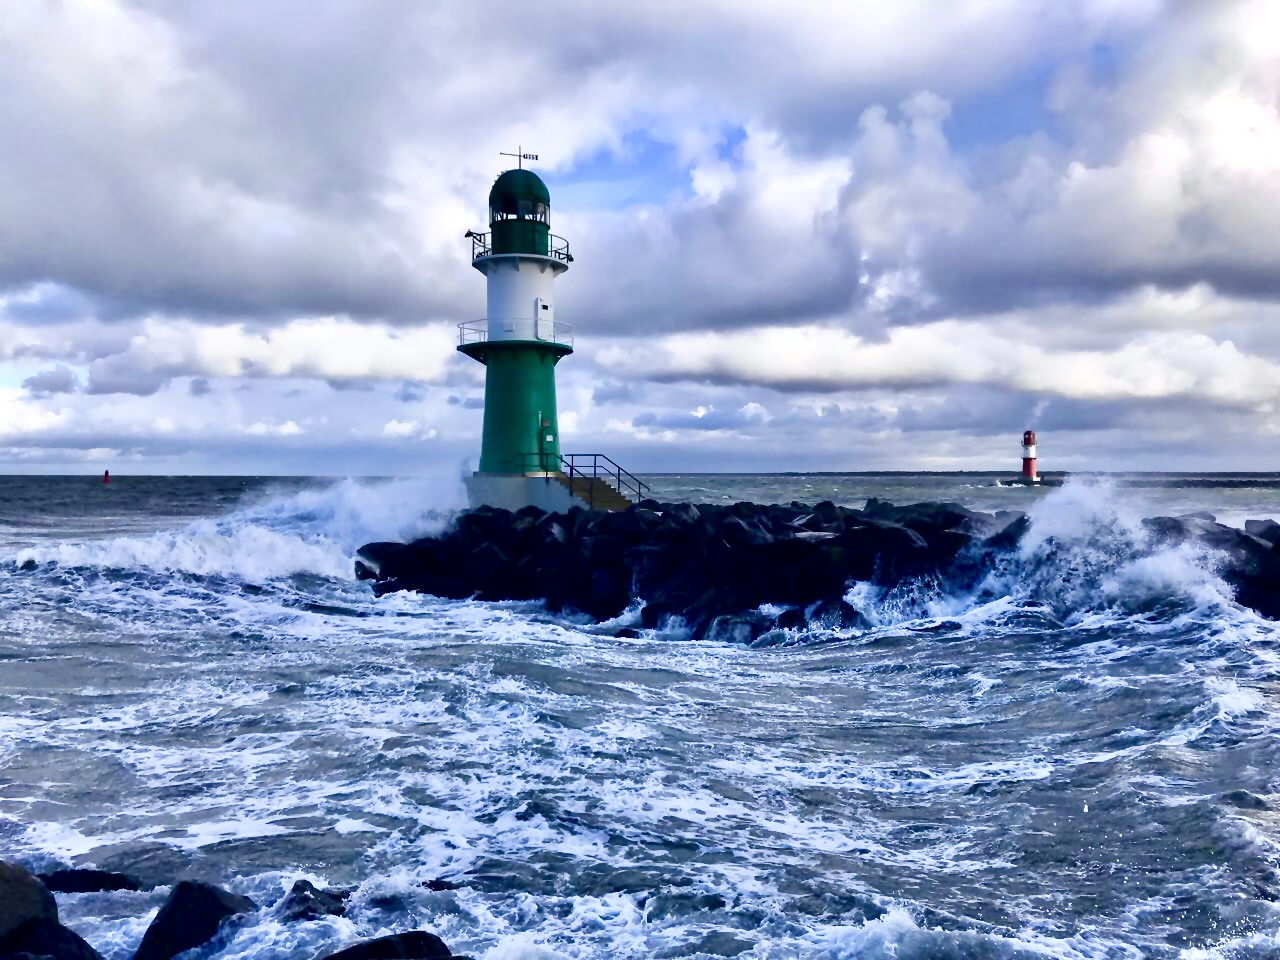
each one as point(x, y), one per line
point(594, 492)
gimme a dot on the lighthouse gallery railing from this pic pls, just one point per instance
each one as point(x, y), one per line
point(518, 328)
point(557, 247)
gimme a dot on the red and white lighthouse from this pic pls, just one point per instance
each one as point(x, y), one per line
point(1029, 474)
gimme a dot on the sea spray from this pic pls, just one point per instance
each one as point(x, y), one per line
point(313, 531)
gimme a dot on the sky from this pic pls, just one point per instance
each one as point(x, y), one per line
point(840, 235)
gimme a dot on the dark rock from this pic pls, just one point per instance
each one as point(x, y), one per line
point(23, 899)
point(375, 558)
point(192, 915)
point(1267, 530)
point(707, 564)
point(306, 902)
point(47, 938)
point(681, 514)
point(440, 886)
point(1009, 538)
point(418, 945)
point(741, 533)
point(88, 881)
point(838, 615)
point(791, 619)
point(1244, 800)
point(1249, 564)
point(1199, 515)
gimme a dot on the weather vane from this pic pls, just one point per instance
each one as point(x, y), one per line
point(520, 156)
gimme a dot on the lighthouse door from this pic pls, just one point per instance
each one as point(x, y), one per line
point(544, 322)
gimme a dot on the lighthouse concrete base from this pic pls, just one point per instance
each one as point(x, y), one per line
point(515, 491)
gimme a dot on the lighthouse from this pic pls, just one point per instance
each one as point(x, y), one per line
point(1029, 474)
point(520, 341)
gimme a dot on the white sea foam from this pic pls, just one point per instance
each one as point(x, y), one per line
point(314, 531)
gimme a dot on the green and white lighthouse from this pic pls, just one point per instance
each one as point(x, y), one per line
point(520, 341)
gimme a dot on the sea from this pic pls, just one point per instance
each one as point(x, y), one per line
point(1081, 761)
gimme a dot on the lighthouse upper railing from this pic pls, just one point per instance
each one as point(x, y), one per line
point(557, 247)
point(523, 328)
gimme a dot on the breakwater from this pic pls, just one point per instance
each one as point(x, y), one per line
point(741, 572)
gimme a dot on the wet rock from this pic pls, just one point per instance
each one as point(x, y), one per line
point(1199, 515)
point(83, 880)
point(193, 914)
point(791, 619)
point(418, 945)
point(708, 564)
point(23, 899)
point(47, 940)
point(307, 902)
point(1244, 800)
point(1267, 530)
point(441, 886)
point(838, 615)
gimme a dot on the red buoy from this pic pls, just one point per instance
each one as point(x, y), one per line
point(106, 477)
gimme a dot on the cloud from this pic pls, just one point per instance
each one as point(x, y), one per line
point(1151, 366)
point(341, 352)
point(843, 225)
point(60, 379)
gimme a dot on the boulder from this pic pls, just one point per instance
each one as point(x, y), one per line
point(84, 880)
point(192, 915)
point(1267, 530)
point(838, 615)
point(306, 902)
point(791, 619)
point(418, 945)
point(23, 899)
point(48, 940)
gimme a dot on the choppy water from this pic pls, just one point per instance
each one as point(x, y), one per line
point(1086, 766)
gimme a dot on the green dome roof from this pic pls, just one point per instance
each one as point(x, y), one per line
point(518, 184)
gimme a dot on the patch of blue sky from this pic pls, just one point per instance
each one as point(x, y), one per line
point(13, 373)
point(1020, 107)
point(645, 169)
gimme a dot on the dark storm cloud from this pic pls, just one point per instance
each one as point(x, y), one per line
point(60, 379)
point(616, 391)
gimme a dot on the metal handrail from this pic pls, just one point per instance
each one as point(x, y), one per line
point(521, 328)
point(573, 465)
point(557, 247)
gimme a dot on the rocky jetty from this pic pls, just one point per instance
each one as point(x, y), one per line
point(195, 914)
point(716, 566)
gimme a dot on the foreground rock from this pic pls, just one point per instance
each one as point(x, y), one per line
point(88, 881)
point(417, 945)
point(305, 901)
point(23, 899)
point(193, 914)
point(48, 940)
point(715, 566)
point(29, 924)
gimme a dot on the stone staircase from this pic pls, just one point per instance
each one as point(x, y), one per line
point(595, 493)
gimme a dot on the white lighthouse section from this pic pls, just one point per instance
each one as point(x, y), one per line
point(521, 299)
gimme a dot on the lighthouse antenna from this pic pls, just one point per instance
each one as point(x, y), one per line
point(520, 156)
